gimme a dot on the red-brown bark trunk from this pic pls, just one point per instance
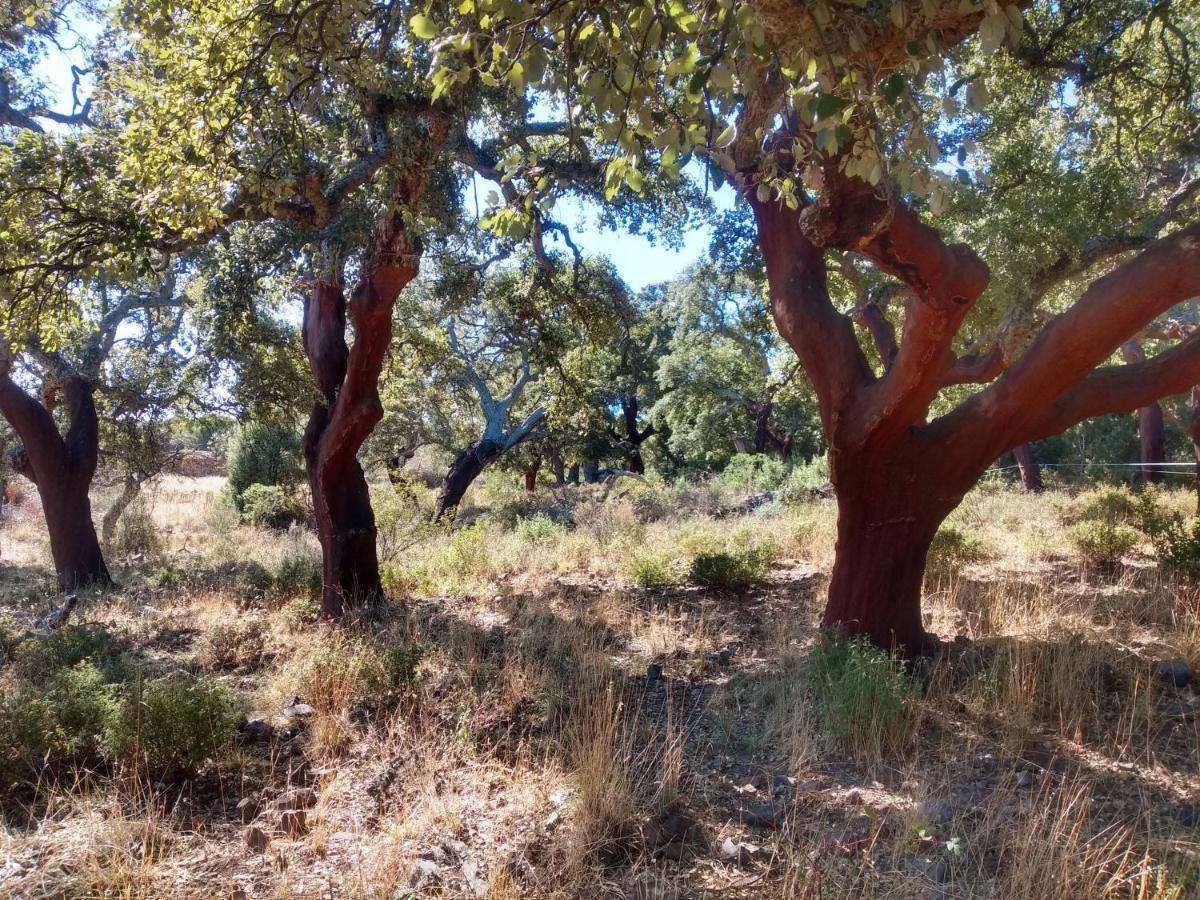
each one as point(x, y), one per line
point(1028, 469)
point(1152, 442)
point(887, 518)
point(61, 469)
point(1194, 430)
point(341, 500)
point(531, 474)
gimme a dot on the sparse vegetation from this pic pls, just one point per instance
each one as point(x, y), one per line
point(518, 680)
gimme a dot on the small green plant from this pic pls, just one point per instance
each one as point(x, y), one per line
point(1176, 539)
point(1102, 543)
point(267, 505)
point(864, 698)
point(251, 582)
point(230, 645)
point(300, 612)
point(953, 548)
point(136, 532)
point(538, 530)
point(401, 661)
point(650, 572)
point(1108, 504)
point(734, 571)
point(298, 573)
point(77, 699)
point(263, 453)
point(169, 726)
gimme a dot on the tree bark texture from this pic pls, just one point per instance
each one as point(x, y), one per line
point(1152, 440)
point(347, 379)
point(463, 471)
point(61, 468)
point(897, 474)
point(531, 474)
point(1028, 469)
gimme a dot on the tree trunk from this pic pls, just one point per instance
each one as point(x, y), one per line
point(463, 472)
point(1153, 444)
point(573, 474)
point(61, 469)
point(336, 429)
point(108, 524)
point(591, 469)
point(1028, 469)
point(879, 568)
point(631, 442)
point(531, 474)
point(557, 467)
point(347, 379)
point(1151, 439)
point(1194, 429)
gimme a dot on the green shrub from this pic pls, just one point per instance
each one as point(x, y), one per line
point(300, 612)
point(755, 472)
point(298, 573)
point(1102, 543)
point(863, 697)
point(1176, 539)
point(730, 571)
point(953, 548)
point(401, 660)
point(136, 532)
point(229, 645)
point(650, 572)
point(75, 699)
point(267, 505)
point(251, 582)
point(168, 727)
point(1108, 504)
point(538, 530)
point(263, 453)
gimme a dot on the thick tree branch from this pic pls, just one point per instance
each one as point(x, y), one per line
point(1112, 309)
point(821, 337)
point(945, 280)
point(1120, 389)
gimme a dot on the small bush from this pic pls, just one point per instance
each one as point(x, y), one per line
point(401, 661)
point(169, 726)
point(136, 532)
point(263, 453)
point(300, 612)
point(1109, 504)
point(1176, 539)
point(755, 472)
point(650, 572)
point(251, 582)
point(953, 548)
point(267, 505)
point(730, 571)
point(538, 530)
point(230, 645)
point(298, 573)
point(75, 699)
point(864, 699)
point(1102, 543)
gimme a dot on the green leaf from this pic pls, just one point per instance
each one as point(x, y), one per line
point(826, 105)
point(423, 27)
point(726, 137)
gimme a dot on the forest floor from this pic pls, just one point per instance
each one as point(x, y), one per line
point(558, 711)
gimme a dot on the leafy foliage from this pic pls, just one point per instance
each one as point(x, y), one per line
point(863, 697)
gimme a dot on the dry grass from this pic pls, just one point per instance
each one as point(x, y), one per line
point(530, 724)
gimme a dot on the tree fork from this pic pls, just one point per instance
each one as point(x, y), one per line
point(61, 468)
